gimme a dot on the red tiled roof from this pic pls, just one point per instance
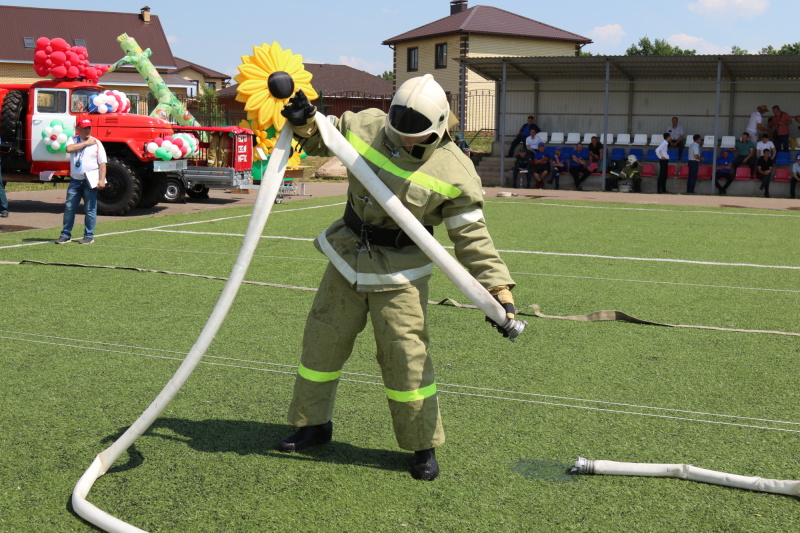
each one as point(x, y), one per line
point(181, 64)
point(338, 80)
point(491, 21)
point(99, 29)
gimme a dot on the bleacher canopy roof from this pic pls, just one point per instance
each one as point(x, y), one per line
point(634, 68)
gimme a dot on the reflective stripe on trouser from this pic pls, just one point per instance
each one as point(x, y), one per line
point(338, 314)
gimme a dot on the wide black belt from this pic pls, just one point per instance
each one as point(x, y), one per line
point(374, 235)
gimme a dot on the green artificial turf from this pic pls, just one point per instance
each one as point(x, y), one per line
point(85, 350)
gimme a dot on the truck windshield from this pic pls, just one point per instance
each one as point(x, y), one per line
point(80, 99)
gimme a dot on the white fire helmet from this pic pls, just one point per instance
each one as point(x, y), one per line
point(632, 159)
point(418, 117)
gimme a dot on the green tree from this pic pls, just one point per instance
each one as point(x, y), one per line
point(786, 49)
point(208, 106)
point(387, 75)
point(737, 51)
point(658, 47)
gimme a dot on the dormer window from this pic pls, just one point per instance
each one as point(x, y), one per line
point(30, 42)
point(80, 42)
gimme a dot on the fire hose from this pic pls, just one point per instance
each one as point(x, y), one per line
point(271, 182)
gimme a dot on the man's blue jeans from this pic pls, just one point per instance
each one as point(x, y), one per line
point(80, 189)
point(3, 198)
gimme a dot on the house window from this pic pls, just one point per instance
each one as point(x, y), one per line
point(211, 85)
point(80, 42)
point(441, 55)
point(30, 42)
point(193, 91)
point(413, 59)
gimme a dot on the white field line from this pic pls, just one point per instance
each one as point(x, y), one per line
point(651, 210)
point(220, 219)
point(527, 396)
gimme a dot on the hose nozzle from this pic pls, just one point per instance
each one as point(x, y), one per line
point(582, 466)
point(514, 328)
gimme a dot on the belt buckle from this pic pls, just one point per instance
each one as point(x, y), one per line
point(366, 230)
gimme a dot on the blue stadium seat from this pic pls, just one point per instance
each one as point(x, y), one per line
point(637, 152)
point(707, 155)
point(617, 154)
point(783, 158)
point(651, 155)
point(673, 154)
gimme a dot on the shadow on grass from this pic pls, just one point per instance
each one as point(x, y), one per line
point(247, 438)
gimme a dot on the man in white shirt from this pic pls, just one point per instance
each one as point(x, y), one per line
point(677, 137)
point(755, 125)
point(694, 163)
point(663, 162)
point(764, 144)
point(532, 142)
point(87, 175)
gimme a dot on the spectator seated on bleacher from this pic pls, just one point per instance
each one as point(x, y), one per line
point(532, 142)
point(745, 155)
point(559, 164)
point(724, 170)
point(541, 166)
point(579, 166)
point(469, 152)
point(764, 144)
point(631, 171)
point(523, 134)
point(794, 178)
point(522, 163)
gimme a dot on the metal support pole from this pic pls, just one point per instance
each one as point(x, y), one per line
point(503, 128)
point(603, 161)
point(716, 125)
point(462, 102)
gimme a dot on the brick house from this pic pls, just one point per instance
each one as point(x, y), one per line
point(97, 31)
point(199, 76)
point(479, 31)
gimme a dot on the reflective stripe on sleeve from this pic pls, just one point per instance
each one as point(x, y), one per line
point(381, 161)
point(319, 377)
point(458, 221)
point(412, 395)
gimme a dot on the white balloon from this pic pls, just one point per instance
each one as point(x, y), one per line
point(152, 147)
point(57, 129)
point(102, 109)
point(168, 145)
point(176, 152)
point(62, 138)
point(55, 145)
point(48, 131)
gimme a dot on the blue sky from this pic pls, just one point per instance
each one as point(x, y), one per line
point(351, 32)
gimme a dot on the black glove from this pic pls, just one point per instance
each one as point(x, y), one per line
point(299, 110)
point(503, 296)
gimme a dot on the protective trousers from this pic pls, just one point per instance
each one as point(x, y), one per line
point(338, 314)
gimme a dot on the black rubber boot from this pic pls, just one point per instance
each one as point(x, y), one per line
point(425, 466)
point(306, 437)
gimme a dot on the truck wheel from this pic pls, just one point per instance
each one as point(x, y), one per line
point(122, 191)
point(175, 192)
point(198, 192)
point(11, 115)
point(153, 191)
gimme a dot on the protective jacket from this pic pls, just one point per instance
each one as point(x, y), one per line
point(443, 189)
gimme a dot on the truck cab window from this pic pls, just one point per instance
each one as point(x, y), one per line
point(51, 101)
point(80, 100)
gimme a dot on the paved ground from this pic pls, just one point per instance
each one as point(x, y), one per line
point(44, 208)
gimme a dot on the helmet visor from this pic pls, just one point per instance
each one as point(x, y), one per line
point(407, 120)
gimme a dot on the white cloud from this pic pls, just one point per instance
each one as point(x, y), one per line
point(610, 34)
point(362, 64)
point(172, 39)
point(729, 9)
point(697, 43)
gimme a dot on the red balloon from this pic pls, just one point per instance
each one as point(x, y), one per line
point(41, 70)
point(42, 42)
point(184, 150)
point(40, 56)
point(59, 44)
point(158, 140)
point(177, 142)
point(59, 72)
point(90, 73)
point(48, 62)
point(48, 49)
point(72, 72)
point(58, 58)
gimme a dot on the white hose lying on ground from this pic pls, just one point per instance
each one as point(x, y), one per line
point(689, 472)
point(271, 182)
point(462, 279)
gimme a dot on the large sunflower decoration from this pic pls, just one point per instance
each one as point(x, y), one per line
point(267, 80)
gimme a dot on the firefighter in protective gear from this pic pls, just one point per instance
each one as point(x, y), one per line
point(632, 170)
point(376, 270)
